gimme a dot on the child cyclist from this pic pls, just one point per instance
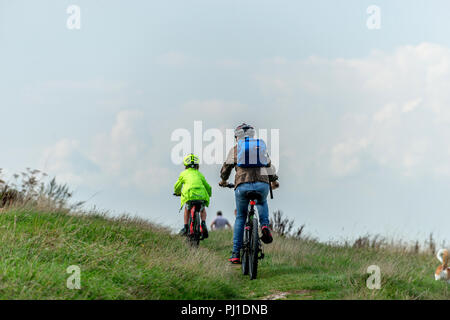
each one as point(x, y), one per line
point(192, 185)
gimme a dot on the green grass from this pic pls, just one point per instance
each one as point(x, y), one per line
point(304, 269)
point(128, 258)
point(119, 259)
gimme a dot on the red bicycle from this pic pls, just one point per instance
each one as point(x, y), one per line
point(195, 232)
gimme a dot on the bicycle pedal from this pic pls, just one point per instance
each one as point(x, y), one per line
point(261, 254)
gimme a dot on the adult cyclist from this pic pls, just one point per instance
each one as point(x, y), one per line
point(255, 179)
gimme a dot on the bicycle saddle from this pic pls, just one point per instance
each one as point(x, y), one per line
point(253, 195)
point(197, 203)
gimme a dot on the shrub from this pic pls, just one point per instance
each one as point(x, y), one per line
point(32, 189)
point(283, 226)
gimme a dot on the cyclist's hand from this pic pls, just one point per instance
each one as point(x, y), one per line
point(223, 183)
point(275, 185)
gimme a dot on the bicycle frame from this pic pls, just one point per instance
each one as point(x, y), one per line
point(251, 213)
point(194, 218)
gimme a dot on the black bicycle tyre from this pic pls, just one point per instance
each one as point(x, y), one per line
point(245, 264)
point(254, 250)
point(194, 239)
point(197, 233)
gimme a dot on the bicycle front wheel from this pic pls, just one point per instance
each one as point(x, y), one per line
point(254, 250)
point(245, 257)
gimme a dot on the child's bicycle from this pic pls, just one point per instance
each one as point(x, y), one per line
point(195, 230)
point(252, 249)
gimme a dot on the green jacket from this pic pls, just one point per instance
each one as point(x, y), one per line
point(192, 185)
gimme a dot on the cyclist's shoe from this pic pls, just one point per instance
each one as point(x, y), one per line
point(266, 235)
point(205, 230)
point(235, 258)
point(184, 231)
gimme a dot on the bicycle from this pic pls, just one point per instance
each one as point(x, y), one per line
point(195, 229)
point(252, 249)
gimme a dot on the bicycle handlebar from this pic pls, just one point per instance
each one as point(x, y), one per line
point(230, 185)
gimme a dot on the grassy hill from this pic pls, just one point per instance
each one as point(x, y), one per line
point(128, 258)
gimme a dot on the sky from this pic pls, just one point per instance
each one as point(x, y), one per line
point(363, 114)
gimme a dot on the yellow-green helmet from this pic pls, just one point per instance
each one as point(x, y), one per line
point(191, 160)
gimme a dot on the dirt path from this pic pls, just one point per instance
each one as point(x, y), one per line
point(283, 295)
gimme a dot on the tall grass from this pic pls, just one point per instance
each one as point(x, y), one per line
point(305, 268)
point(33, 189)
point(120, 258)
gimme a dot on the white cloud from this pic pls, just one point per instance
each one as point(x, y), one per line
point(411, 105)
point(125, 156)
point(128, 154)
point(58, 158)
point(345, 157)
point(386, 113)
point(172, 58)
point(391, 110)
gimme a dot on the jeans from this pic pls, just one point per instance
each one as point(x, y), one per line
point(242, 209)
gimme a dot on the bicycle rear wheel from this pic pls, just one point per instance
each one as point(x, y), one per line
point(253, 250)
point(194, 237)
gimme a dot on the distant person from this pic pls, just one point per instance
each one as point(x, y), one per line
point(220, 222)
